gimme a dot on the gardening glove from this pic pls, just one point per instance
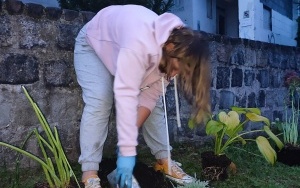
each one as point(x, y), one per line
point(125, 166)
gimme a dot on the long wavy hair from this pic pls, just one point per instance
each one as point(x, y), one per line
point(194, 78)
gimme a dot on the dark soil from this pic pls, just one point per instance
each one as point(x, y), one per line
point(215, 167)
point(289, 155)
point(73, 184)
point(145, 175)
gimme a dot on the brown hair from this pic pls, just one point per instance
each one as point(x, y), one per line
point(192, 50)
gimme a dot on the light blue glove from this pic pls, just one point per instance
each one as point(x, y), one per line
point(124, 171)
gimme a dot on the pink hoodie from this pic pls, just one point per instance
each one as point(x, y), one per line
point(129, 40)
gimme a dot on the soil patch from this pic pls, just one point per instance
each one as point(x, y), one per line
point(146, 176)
point(214, 166)
point(289, 155)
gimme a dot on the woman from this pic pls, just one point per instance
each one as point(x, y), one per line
point(125, 56)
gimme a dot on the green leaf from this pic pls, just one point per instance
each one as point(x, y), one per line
point(238, 109)
point(266, 149)
point(245, 110)
point(257, 118)
point(279, 144)
point(213, 127)
point(254, 110)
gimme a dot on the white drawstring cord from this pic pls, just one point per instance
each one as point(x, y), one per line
point(177, 102)
point(167, 129)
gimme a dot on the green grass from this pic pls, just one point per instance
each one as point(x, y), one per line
point(253, 171)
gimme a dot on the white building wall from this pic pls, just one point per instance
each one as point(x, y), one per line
point(194, 14)
point(200, 19)
point(252, 28)
point(247, 26)
point(183, 9)
point(283, 29)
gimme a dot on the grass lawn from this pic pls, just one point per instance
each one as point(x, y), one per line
point(253, 171)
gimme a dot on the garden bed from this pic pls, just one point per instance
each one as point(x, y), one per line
point(252, 171)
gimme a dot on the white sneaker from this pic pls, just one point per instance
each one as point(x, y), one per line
point(92, 183)
point(176, 174)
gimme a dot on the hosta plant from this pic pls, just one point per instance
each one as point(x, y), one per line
point(227, 129)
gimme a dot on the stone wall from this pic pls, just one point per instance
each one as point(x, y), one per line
point(36, 50)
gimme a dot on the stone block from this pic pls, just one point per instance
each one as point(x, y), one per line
point(35, 10)
point(70, 15)
point(66, 36)
point(170, 101)
point(275, 59)
point(223, 77)
point(237, 57)
point(284, 63)
point(222, 55)
point(6, 38)
point(276, 98)
point(236, 41)
point(226, 99)
point(250, 57)
point(277, 79)
point(251, 100)
point(249, 77)
point(261, 99)
point(53, 13)
point(264, 78)
point(241, 101)
point(14, 7)
point(19, 69)
point(262, 58)
point(297, 59)
point(253, 44)
point(58, 73)
point(87, 16)
point(292, 61)
point(237, 77)
point(214, 99)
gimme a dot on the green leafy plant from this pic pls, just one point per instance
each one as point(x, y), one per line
point(228, 129)
point(56, 167)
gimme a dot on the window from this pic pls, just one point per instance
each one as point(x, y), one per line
point(221, 21)
point(209, 8)
point(267, 18)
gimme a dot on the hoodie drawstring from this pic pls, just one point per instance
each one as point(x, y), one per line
point(166, 116)
point(177, 102)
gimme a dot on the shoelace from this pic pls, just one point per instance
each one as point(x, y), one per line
point(94, 183)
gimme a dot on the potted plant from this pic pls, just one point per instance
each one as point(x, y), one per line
point(226, 129)
point(290, 153)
